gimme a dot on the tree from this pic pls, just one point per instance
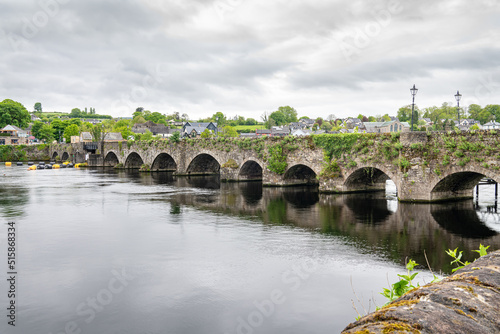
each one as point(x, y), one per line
point(13, 113)
point(360, 117)
point(124, 130)
point(46, 133)
point(38, 107)
point(138, 112)
point(290, 114)
point(493, 109)
point(35, 129)
point(219, 118)
point(250, 121)
point(58, 127)
point(156, 117)
point(327, 126)
point(176, 137)
point(386, 118)
point(71, 130)
point(365, 119)
point(148, 135)
point(75, 112)
point(75, 121)
point(138, 120)
point(228, 131)
point(372, 119)
point(265, 118)
point(404, 113)
point(206, 134)
point(278, 117)
point(86, 127)
point(99, 134)
point(185, 117)
point(319, 121)
point(480, 114)
point(331, 118)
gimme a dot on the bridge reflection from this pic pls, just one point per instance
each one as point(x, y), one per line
point(370, 222)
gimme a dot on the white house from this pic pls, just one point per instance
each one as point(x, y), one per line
point(491, 125)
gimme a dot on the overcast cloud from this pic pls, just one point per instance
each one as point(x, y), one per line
point(246, 57)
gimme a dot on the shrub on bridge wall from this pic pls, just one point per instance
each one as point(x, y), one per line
point(340, 149)
point(12, 153)
point(23, 152)
point(230, 164)
point(276, 159)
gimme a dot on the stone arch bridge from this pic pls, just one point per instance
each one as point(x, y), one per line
point(425, 167)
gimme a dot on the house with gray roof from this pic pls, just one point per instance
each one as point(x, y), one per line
point(194, 129)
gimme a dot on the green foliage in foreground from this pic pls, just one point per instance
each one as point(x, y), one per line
point(405, 284)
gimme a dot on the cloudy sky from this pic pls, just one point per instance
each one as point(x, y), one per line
point(247, 57)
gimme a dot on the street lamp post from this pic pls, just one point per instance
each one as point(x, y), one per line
point(458, 96)
point(413, 91)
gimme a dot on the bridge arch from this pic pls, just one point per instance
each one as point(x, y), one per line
point(65, 156)
point(457, 185)
point(134, 160)
point(366, 179)
point(300, 174)
point(111, 159)
point(251, 170)
point(164, 162)
point(55, 155)
point(204, 164)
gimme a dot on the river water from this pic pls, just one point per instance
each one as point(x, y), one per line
point(101, 251)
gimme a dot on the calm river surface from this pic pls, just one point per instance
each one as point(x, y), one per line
point(101, 251)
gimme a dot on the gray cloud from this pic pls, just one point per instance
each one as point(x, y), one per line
point(244, 57)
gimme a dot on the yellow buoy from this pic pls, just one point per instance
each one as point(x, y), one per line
point(77, 165)
point(66, 162)
point(8, 164)
point(56, 166)
point(32, 167)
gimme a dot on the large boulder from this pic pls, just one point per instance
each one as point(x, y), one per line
point(466, 302)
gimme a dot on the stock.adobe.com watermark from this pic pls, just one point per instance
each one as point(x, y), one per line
point(88, 310)
point(264, 309)
point(354, 42)
point(32, 25)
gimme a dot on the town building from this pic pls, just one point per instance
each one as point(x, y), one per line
point(386, 127)
point(13, 135)
point(156, 129)
point(194, 129)
point(491, 125)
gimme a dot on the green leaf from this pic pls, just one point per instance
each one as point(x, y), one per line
point(482, 250)
point(411, 264)
point(452, 253)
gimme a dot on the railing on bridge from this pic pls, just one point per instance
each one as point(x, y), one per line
point(486, 182)
point(90, 146)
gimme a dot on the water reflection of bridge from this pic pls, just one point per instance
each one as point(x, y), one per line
point(363, 219)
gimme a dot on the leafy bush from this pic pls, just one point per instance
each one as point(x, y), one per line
point(277, 160)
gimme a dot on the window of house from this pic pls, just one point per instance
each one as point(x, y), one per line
point(2, 141)
point(14, 141)
point(392, 128)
